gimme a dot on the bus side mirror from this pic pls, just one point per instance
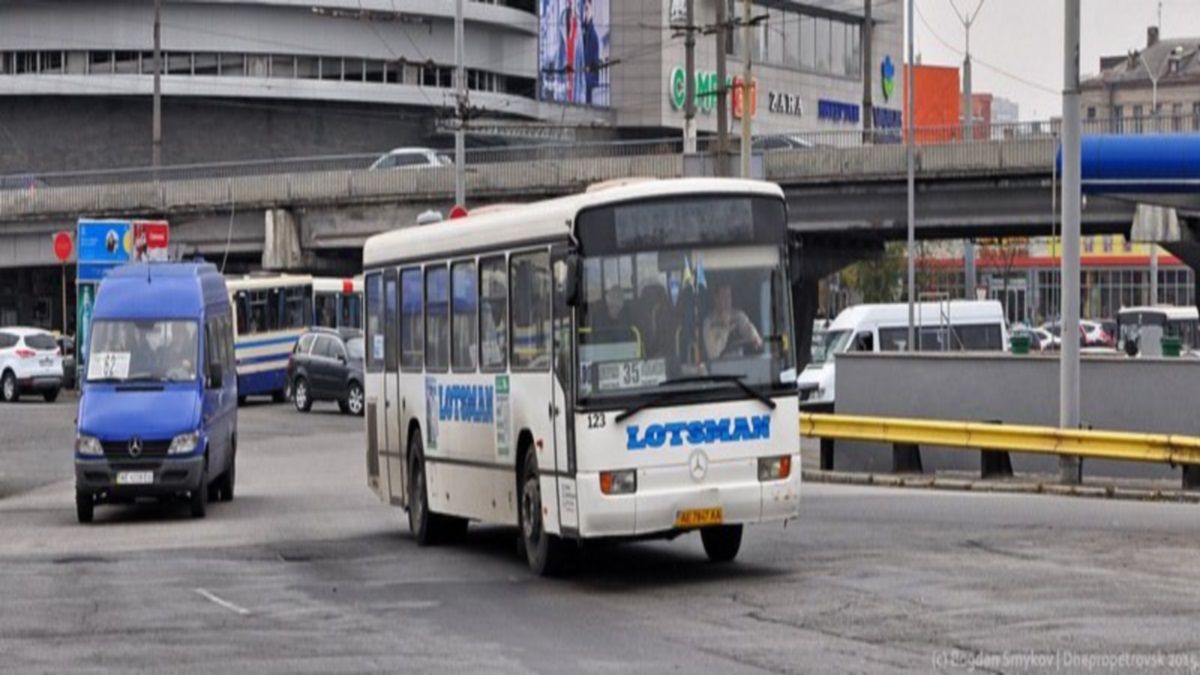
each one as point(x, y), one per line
point(571, 283)
point(215, 379)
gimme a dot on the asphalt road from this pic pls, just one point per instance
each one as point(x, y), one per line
point(307, 572)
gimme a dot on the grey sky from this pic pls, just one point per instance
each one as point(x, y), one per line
point(1024, 38)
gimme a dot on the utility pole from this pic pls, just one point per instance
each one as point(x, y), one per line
point(909, 78)
point(156, 140)
point(722, 90)
point(1070, 468)
point(460, 107)
point(1157, 122)
point(689, 108)
point(968, 112)
point(868, 31)
point(747, 89)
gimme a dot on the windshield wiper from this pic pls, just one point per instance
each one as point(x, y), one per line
point(667, 395)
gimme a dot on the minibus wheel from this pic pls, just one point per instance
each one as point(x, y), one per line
point(85, 506)
point(721, 542)
point(545, 552)
point(199, 497)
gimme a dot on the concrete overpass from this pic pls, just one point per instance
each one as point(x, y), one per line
point(302, 214)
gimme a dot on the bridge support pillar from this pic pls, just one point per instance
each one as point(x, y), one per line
point(995, 464)
point(281, 241)
point(827, 454)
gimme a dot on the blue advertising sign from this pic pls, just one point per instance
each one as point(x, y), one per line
point(104, 241)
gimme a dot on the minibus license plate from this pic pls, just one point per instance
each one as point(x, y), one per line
point(135, 478)
point(699, 517)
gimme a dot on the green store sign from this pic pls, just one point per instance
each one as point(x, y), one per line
point(706, 89)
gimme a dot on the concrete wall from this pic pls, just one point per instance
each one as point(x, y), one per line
point(1148, 395)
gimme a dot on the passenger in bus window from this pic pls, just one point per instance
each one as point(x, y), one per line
point(727, 329)
point(656, 322)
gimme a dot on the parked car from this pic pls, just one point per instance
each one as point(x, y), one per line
point(327, 365)
point(66, 347)
point(1047, 340)
point(411, 158)
point(29, 363)
point(1094, 335)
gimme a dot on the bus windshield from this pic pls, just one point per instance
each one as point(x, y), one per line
point(649, 317)
point(143, 350)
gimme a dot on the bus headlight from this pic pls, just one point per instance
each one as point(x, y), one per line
point(184, 443)
point(88, 446)
point(618, 482)
point(774, 468)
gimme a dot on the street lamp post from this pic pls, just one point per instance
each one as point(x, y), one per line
point(1156, 122)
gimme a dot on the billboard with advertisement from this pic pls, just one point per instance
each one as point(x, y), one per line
point(150, 239)
point(573, 52)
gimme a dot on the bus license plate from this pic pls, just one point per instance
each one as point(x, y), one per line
point(135, 478)
point(699, 517)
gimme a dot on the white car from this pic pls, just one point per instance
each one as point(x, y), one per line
point(30, 362)
point(411, 158)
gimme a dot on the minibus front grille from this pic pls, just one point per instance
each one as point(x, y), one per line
point(124, 450)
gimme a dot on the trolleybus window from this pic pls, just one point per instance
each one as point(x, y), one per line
point(412, 326)
point(375, 336)
point(437, 318)
point(531, 311)
point(493, 313)
point(464, 325)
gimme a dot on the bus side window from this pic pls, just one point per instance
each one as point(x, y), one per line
point(464, 326)
point(412, 325)
point(530, 327)
point(391, 297)
point(242, 305)
point(437, 318)
point(493, 313)
point(375, 337)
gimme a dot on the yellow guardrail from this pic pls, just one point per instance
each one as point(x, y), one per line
point(1135, 447)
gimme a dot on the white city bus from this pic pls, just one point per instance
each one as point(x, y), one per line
point(337, 303)
point(614, 364)
point(270, 313)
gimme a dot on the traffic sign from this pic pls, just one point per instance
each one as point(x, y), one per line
point(459, 211)
point(63, 246)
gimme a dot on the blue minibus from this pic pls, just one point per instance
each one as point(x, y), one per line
point(158, 404)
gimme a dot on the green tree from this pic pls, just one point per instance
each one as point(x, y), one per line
point(879, 279)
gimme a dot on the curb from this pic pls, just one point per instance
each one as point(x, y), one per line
point(920, 481)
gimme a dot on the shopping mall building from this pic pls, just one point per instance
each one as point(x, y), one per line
point(258, 79)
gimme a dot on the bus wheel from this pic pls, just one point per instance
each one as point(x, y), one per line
point(545, 552)
point(721, 542)
point(420, 521)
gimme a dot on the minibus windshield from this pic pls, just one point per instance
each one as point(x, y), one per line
point(143, 350)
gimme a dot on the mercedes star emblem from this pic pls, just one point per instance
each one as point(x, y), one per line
point(698, 465)
point(135, 447)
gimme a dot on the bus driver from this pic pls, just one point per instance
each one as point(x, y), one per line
point(727, 327)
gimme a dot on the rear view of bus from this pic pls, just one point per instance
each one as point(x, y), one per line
point(686, 409)
point(613, 365)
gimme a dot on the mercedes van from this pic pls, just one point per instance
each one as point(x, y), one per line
point(158, 403)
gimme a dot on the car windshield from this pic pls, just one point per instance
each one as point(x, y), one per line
point(832, 343)
point(354, 347)
point(650, 317)
point(143, 350)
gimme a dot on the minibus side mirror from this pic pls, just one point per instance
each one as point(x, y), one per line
point(215, 379)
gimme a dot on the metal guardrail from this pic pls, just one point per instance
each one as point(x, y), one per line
point(1176, 450)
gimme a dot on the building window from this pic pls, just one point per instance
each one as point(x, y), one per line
point(1091, 112)
point(1196, 116)
point(1137, 119)
point(1118, 119)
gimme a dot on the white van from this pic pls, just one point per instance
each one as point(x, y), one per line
point(949, 326)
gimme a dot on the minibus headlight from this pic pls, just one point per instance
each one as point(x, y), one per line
point(88, 446)
point(774, 468)
point(184, 443)
point(618, 482)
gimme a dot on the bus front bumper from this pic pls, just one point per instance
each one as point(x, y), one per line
point(659, 510)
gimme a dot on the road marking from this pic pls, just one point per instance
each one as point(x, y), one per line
point(211, 597)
